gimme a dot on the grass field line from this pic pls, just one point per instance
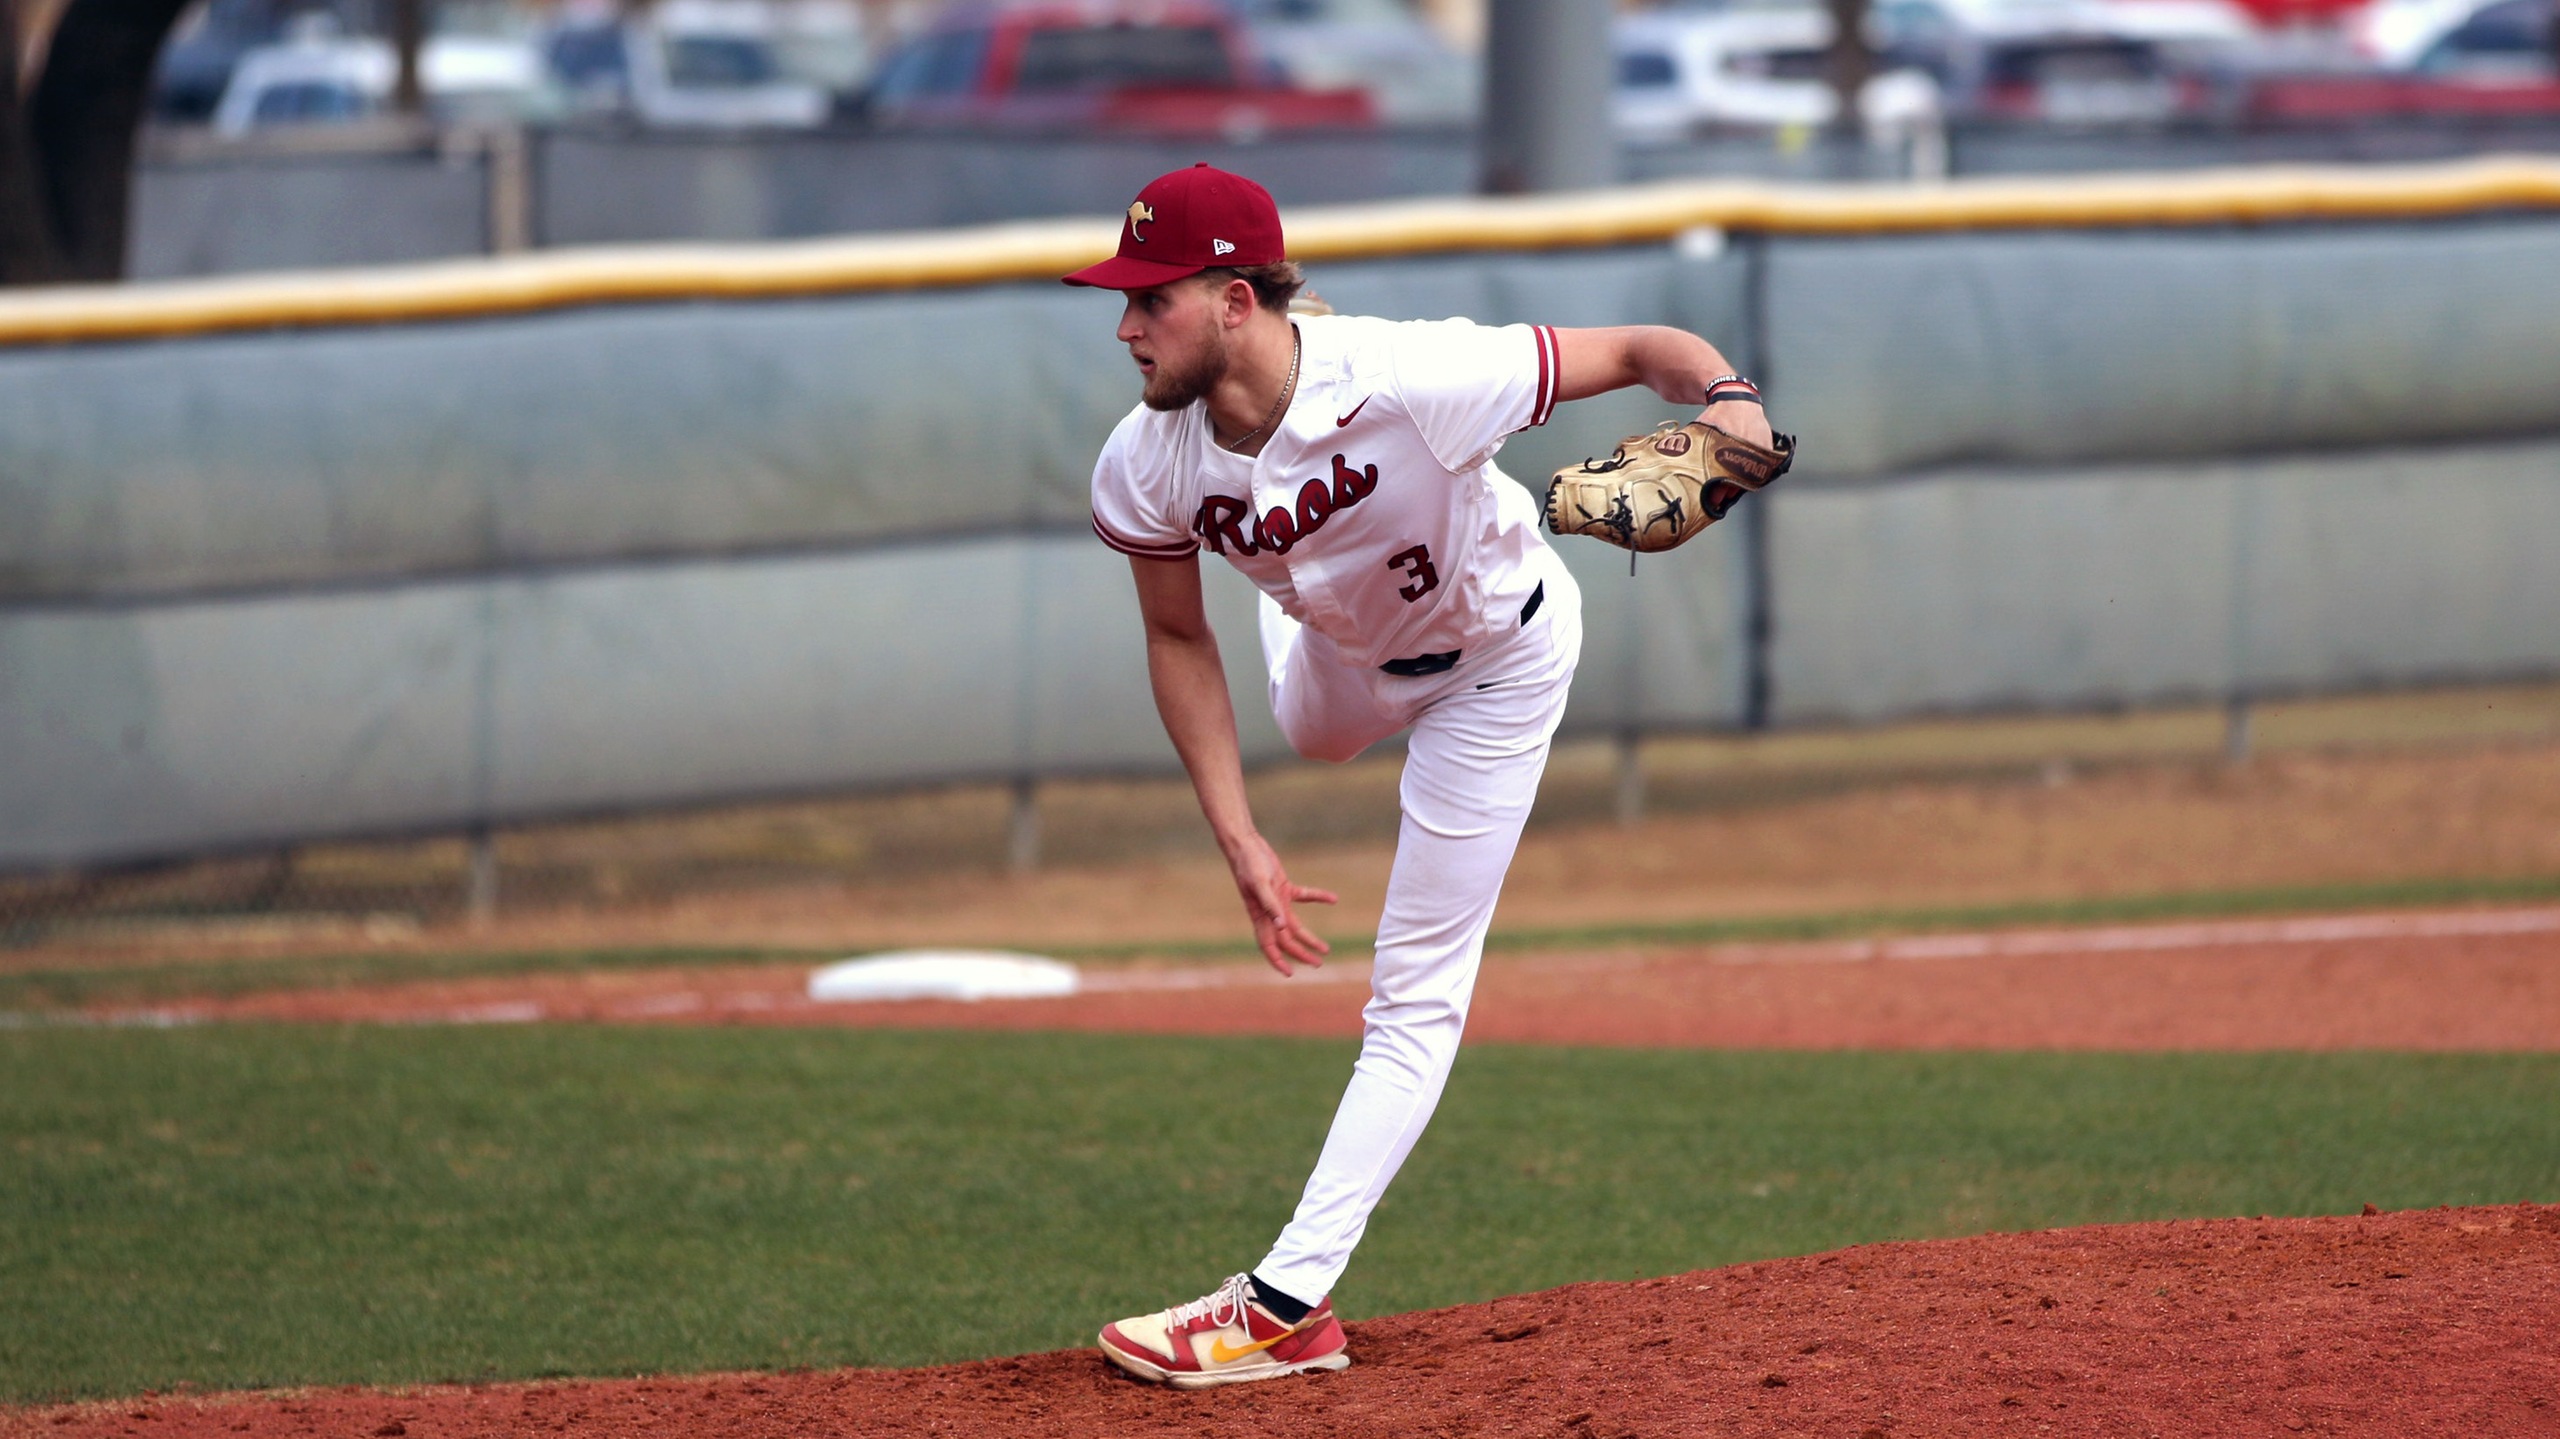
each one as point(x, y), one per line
point(42, 987)
point(2316, 929)
point(1988, 944)
point(1192, 977)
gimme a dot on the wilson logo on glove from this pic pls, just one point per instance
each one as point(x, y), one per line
point(1656, 491)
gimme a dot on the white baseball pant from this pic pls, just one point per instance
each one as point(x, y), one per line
point(1481, 733)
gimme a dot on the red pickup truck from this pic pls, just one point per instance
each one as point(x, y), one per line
point(1175, 67)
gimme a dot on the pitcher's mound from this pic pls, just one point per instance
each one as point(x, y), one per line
point(2428, 1322)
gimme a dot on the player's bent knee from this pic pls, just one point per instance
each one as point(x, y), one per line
point(1329, 746)
point(1330, 751)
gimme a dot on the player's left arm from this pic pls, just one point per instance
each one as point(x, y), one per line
point(1672, 363)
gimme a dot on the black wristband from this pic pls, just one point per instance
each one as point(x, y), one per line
point(1732, 387)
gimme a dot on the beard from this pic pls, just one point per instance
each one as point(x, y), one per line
point(1170, 388)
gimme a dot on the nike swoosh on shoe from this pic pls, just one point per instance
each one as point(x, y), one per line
point(1219, 1353)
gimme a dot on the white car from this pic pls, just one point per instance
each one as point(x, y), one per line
point(1747, 69)
point(2075, 62)
point(2198, 23)
point(2477, 40)
point(690, 63)
point(2397, 32)
point(315, 77)
point(1413, 76)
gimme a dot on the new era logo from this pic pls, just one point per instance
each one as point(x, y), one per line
point(1221, 247)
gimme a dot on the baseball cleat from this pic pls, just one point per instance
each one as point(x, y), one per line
point(1224, 1338)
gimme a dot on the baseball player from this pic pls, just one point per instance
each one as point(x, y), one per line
point(1345, 466)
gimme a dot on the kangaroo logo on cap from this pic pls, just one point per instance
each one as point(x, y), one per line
point(1139, 214)
point(1221, 247)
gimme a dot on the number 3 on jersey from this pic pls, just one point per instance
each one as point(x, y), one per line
point(1417, 567)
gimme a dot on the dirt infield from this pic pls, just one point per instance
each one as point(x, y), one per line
point(2434, 1322)
point(2452, 980)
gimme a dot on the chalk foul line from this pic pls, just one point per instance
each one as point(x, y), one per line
point(2133, 938)
point(1988, 944)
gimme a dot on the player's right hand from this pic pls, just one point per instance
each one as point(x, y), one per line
point(1270, 900)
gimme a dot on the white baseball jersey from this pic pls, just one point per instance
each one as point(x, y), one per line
point(1374, 514)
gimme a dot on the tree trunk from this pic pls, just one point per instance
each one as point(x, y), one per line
point(1850, 64)
point(408, 39)
point(82, 120)
point(26, 223)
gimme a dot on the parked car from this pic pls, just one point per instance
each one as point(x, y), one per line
point(2395, 33)
point(317, 76)
point(1683, 74)
point(195, 64)
point(2083, 80)
point(306, 83)
point(2502, 40)
point(2073, 63)
point(2194, 24)
point(824, 43)
point(1179, 67)
point(690, 63)
point(2472, 58)
point(1412, 75)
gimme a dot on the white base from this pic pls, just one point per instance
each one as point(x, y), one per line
point(943, 974)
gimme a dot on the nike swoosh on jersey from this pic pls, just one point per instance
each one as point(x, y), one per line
point(1219, 1353)
point(1355, 411)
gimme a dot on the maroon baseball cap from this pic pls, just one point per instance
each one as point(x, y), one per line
point(1185, 222)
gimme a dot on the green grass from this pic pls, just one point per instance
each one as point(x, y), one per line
point(35, 990)
point(38, 990)
point(260, 1206)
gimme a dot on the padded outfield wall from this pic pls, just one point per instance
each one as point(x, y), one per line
point(417, 550)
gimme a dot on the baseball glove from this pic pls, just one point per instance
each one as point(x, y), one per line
point(1657, 490)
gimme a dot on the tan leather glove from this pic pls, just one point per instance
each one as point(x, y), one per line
point(1657, 490)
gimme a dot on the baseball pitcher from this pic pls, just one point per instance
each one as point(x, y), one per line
point(1346, 466)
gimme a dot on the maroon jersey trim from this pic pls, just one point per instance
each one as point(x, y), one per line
point(1550, 374)
point(1144, 551)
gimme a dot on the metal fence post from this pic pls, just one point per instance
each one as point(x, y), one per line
point(1630, 797)
point(1758, 624)
point(2236, 727)
point(480, 880)
point(1022, 835)
point(480, 885)
point(1022, 830)
point(508, 153)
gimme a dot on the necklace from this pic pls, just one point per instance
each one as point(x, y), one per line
point(1287, 387)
